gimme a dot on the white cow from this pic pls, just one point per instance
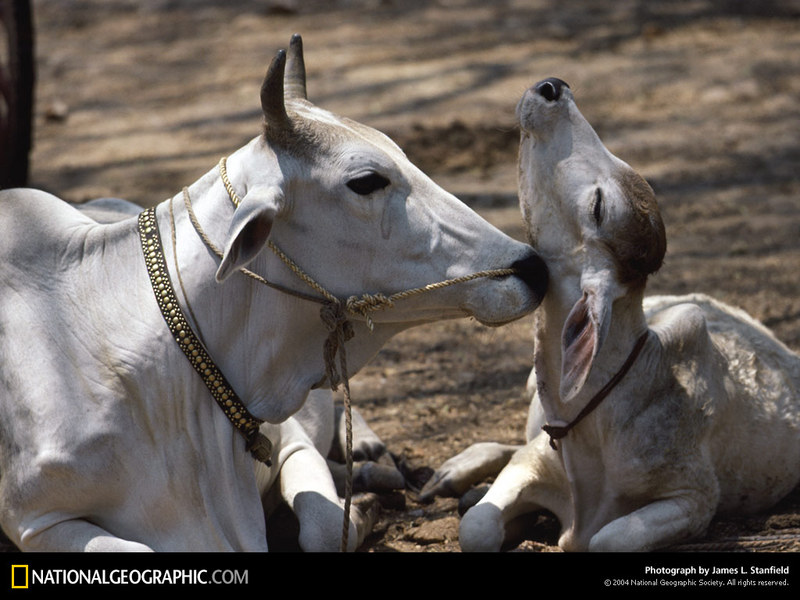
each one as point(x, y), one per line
point(315, 438)
point(109, 438)
point(706, 419)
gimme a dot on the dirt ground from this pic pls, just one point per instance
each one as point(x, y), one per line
point(137, 98)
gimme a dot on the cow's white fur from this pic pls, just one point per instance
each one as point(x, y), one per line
point(708, 419)
point(305, 473)
point(108, 439)
point(323, 422)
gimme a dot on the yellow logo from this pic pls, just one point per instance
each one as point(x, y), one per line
point(19, 577)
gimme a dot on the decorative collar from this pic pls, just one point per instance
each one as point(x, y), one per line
point(222, 392)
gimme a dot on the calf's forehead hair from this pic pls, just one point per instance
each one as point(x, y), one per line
point(639, 244)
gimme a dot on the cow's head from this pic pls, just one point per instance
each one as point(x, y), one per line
point(590, 216)
point(345, 203)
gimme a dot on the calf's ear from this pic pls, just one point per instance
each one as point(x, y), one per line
point(249, 229)
point(581, 339)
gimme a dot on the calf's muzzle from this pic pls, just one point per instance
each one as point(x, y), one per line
point(550, 89)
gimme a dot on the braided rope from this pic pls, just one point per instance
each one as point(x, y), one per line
point(223, 171)
point(301, 274)
point(365, 304)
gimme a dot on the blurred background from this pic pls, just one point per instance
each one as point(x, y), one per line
point(137, 98)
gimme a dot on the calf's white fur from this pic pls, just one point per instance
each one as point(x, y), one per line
point(109, 440)
point(706, 421)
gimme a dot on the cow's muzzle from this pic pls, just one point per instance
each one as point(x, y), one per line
point(533, 271)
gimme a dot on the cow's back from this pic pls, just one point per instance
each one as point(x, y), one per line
point(53, 330)
point(33, 220)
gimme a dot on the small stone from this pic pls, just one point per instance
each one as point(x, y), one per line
point(57, 111)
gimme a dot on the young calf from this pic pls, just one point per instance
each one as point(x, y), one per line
point(647, 417)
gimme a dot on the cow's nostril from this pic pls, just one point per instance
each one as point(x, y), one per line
point(550, 89)
point(533, 271)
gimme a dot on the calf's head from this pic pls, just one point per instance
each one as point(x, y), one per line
point(592, 218)
point(344, 202)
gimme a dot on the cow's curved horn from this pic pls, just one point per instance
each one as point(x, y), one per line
point(272, 93)
point(296, 70)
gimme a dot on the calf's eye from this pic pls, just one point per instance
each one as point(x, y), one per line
point(366, 184)
point(597, 206)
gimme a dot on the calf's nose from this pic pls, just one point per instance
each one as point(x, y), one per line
point(533, 271)
point(550, 89)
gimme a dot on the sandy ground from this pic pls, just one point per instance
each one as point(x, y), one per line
point(137, 98)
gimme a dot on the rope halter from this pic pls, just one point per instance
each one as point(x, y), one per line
point(333, 314)
point(365, 304)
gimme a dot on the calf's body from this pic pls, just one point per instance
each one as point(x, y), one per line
point(706, 419)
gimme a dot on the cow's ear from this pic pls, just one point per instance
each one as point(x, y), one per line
point(249, 229)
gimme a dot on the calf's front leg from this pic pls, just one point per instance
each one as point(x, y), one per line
point(475, 464)
point(532, 480)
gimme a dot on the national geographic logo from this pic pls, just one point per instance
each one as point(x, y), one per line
point(19, 577)
point(23, 577)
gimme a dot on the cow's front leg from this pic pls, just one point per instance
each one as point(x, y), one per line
point(533, 480)
point(321, 519)
point(308, 488)
point(378, 476)
point(656, 525)
point(475, 464)
point(76, 535)
point(374, 469)
point(366, 443)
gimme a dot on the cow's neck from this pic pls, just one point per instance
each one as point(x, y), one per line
point(268, 344)
point(581, 451)
point(259, 338)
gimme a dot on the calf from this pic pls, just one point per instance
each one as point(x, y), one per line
point(131, 369)
point(648, 417)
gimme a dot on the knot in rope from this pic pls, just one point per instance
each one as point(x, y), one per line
point(556, 432)
point(366, 304)
point(340, 330)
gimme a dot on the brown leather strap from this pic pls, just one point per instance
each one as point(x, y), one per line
point(557, 432)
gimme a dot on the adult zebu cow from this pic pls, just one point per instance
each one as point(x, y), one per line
point(109, 439)
point(648, 416)
point(308, 468)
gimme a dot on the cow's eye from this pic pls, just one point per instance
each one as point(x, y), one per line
point(366, 184)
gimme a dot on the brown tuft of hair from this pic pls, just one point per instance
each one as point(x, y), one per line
point(639, 247)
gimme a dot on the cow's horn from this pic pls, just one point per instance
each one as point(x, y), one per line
point(296, 70)
point(272, 102)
